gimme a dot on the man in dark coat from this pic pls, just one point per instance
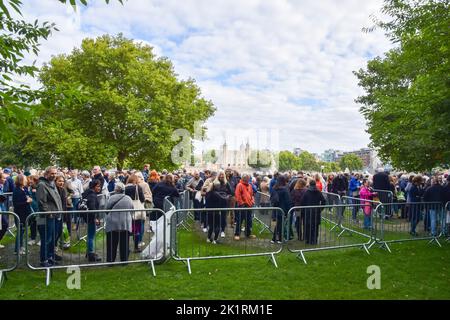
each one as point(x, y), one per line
point(48, 200)
point(312, 197)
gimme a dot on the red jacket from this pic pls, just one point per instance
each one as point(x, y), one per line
point(244, 195)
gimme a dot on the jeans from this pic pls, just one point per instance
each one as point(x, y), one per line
point(432, 216)
point(58, 230)
point(33, 228)
point(247, 215)
point(5, 225)
point(91, 237)
point(19, 237)
point(279, 226)
point(367, 221)
point(47, 234)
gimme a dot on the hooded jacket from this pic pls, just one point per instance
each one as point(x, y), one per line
point(244, 194)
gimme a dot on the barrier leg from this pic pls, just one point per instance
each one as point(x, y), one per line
point(48, 277)
point(189, 265)
point(273, 260)
point(3, 278)
point(435, 240)
point(152, 264)
point(365, 248)
point(302, 256)
point(384, 245)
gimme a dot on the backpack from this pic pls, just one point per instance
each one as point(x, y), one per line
point(274, 198)
point(82, 206)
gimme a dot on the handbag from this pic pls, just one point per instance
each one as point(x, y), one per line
point(137, 204)
point(198, 196)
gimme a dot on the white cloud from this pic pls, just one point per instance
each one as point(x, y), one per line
point(284, 64)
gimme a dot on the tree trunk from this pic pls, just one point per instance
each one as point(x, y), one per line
point(121, 159)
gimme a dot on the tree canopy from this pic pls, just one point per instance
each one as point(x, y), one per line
point(351, 161)
point(407, 100)
point(19, 39)
point(120, 103)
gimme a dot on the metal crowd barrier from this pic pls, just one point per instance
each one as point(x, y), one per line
point(409, 222)
point(9, 259)
point(194, 244)
point(316, 228)
point(8, 204)
point(447, 222)
point(104, 241)
point(168, 205)
point(258, 196)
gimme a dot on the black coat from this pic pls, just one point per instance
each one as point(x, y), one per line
point(381, 181)
point(130, 191)
point(339, 185)
point(21, 207)
point(92, 204)
point(435, 193)
point(161, 191)
point(296, 196)
point(446, 193)
point(219, 196)
point(285, 202)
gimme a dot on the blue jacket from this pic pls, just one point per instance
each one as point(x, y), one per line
point(273, 182)
point(354, 184)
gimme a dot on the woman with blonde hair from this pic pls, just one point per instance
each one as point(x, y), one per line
point(218, 196)
point(22, 207)
point(135, 192)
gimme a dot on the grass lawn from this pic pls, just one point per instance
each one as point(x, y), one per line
point(414, 270)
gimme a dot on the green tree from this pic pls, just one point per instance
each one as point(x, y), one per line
point(210, 156)
point(128, 100)
point(288, 161)
point(330, 166)
point(351, 161)
point(407, 101)
point(308, 162)
point(19, 38)
point(259, 159)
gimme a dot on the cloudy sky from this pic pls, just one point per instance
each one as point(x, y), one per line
point(279, 72)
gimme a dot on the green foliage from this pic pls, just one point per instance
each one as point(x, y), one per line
point(18, 38)
point(288, 161)
point(259, 159)
point(308, 162)
point(122, 99)
point(407, 101)
point(351, 161)
point(330, 166)
point(210, 156)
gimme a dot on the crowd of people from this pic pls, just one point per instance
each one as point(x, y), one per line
point(62, 191)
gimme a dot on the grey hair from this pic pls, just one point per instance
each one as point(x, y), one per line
point(48, 169)
point(119, 187)
point(85, 173)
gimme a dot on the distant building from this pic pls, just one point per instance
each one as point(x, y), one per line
point(368, 156)
point(298, 151)
point(331, 155)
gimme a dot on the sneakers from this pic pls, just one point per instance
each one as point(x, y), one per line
point(252, 236)
point(214, 242)
point(237, 238)
point(93, 257)
point(38, 244)
point(66, 245)
point(208, 240)
point(205, 230)
point(141, 244)
point(46, 264)
point(31, 242)
point(222, 234)
point(278, 242)
point(2, 246)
